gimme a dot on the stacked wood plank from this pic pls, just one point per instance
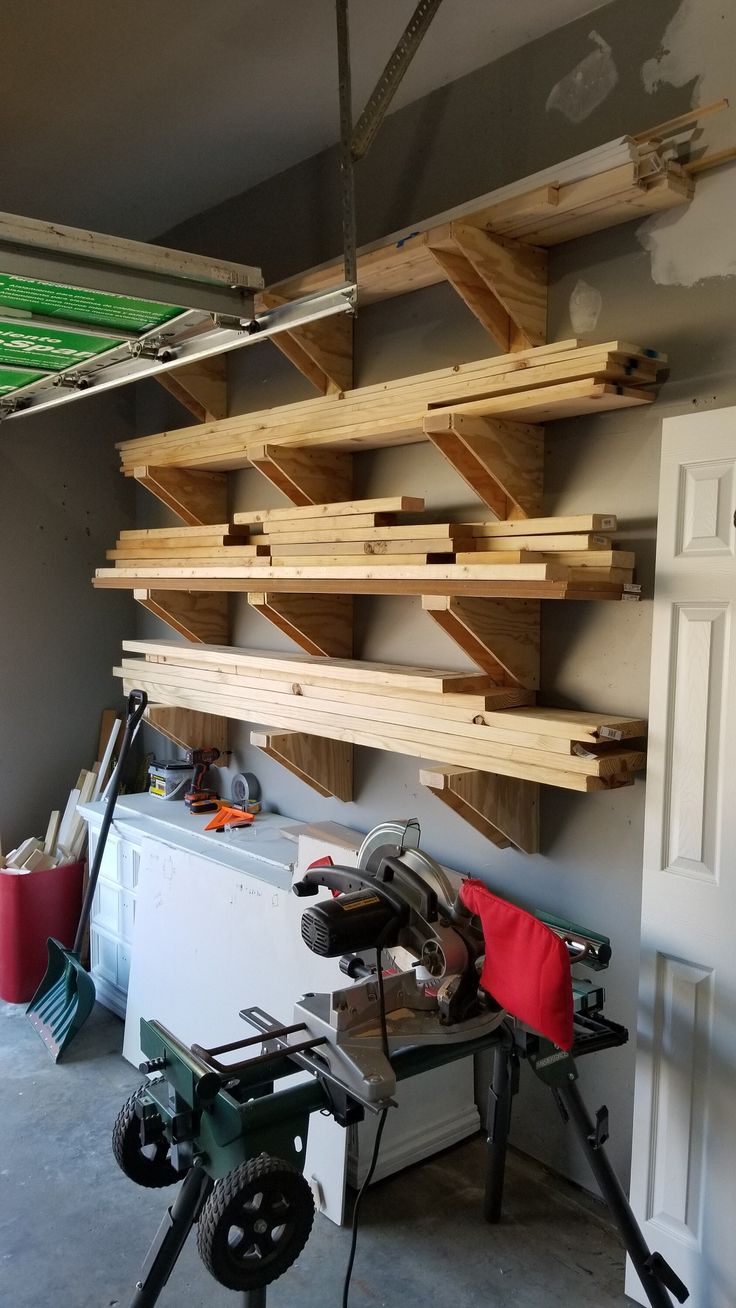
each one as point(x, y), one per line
point(451, 717)
point(622, 180)
point(355, 533)
point(563, 380)
point(387, 546)
point(188, 546)
point(588, 555)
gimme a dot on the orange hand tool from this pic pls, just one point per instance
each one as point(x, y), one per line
point(227, 816)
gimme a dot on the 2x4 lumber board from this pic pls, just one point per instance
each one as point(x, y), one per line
point(457, 381)
point(403, 261)
point(338, 695)
point(563, 525)
point(569, 543)
point(444, 749)
point(652, 195)
point(195, 496)
point(324, 765)
point(201, 617)
point(322, 350)
point(430, 680)
point(188, 728)
point(400, 716)
point(201, 387)
point(513, 276)
point(296, 560)
point(459, 384)
point(322, 626)
point(143, 255)
point(501, 636)
point(447, 532)
point(507, 715)
point(374, 548)
point(225, 692)
point(340, 509)
point(52, 832)
point(501, 462)
point(169, 549)
point(305, 476)
point(567, 725)
point(221, 530)
point(503, 809)
point(434, 579)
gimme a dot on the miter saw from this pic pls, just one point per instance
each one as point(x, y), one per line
point(418, 949)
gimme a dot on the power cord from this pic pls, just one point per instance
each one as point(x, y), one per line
point(377, 1143)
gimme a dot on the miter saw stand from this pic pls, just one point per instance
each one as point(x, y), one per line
point(238, 1144)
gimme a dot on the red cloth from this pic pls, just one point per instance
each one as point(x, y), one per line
point(526, 967)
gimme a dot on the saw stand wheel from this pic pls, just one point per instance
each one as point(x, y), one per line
point(255, 1223)
point(148, 1165)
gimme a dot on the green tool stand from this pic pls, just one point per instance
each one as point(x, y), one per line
point(238, 1143)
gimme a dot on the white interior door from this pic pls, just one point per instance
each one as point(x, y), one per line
point(684, 1160)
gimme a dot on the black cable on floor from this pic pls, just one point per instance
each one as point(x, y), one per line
point(377, 1143)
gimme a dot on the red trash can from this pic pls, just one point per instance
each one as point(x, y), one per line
point(34, 906)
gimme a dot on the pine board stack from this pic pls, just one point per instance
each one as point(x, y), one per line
point(589, 554)
point(186, 546)
point(354, 533)
point(448, 717)
point(382, 546)
point(613, 183)
point(563, 380)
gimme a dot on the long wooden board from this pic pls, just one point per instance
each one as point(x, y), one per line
point(343, 509)
point(538, 384)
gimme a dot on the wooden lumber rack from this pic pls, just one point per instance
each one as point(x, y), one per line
point(360, 546)
point(286, 443)
point(456, 718)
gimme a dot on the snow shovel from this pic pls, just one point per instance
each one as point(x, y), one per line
point(65, 998)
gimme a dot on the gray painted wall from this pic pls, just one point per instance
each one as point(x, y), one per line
point(61, 500)
point(459, 142)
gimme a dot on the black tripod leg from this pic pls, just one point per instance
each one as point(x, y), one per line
point(500, 1095)
point(255, 1298)
point(653, 1272)
point(171, 1237)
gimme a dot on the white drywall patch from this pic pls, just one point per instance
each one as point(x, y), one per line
point(696, 242)
point(582, 90)
point(692, 244)
point(697, 43)
point(586, 303)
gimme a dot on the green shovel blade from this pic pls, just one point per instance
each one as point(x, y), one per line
point(64, 999)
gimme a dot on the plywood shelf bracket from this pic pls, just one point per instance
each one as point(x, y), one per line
point(197, 497)
point(199, 616)
point(201, 387)
point(305, 476)
point(502, 281)
point(500, 635)
point(321, 350)
point(503, 809)
point(318, 624)
point(501, 461)
point(325, 765)
point(188, 728)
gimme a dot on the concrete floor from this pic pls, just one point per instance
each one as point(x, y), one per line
point(74, 1230)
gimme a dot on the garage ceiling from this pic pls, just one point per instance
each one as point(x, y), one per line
point(131, 118)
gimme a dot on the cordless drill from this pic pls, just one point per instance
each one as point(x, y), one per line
point(198, 799)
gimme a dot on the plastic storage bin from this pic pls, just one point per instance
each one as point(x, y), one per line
point(34, 906)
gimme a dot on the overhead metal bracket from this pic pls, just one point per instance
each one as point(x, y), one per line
point(388, 83)
point(355, 142)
